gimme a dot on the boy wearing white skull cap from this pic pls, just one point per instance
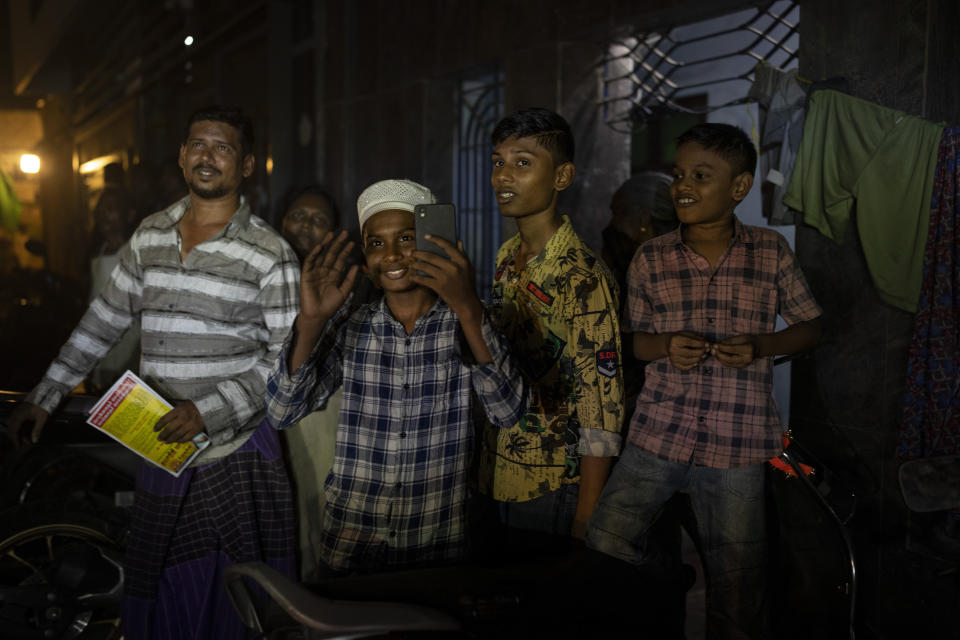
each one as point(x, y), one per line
point(410, 365)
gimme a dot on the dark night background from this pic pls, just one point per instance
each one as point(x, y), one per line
point(347, 92)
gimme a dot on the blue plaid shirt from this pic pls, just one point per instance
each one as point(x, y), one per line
point(396, 494)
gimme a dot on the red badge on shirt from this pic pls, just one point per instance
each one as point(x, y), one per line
point(607, 363)
point(540, 294)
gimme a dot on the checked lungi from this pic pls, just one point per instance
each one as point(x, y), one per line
point(185, 531)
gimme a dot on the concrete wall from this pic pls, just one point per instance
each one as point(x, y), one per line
point(847, 401)
point(391, 67)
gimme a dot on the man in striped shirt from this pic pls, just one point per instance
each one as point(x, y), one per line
point(216, 290)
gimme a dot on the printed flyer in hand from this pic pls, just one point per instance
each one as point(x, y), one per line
point(128, 412)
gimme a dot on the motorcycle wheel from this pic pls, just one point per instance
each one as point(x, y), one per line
point(61, 580)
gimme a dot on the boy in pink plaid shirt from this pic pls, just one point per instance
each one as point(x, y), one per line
point(703, 302)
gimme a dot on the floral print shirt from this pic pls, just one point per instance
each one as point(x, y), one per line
point(559, 313)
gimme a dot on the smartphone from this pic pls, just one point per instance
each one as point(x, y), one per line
point(438, 220)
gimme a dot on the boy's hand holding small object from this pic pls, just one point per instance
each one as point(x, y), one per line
point(686, 350)
point(736, 351)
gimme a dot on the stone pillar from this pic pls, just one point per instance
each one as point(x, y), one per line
point(65, 218)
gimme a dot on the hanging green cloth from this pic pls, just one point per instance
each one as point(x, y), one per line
point(9, 205)
point(882, 160)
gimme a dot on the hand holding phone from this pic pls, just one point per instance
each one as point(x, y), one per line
point(447, 272)
point(450, 274)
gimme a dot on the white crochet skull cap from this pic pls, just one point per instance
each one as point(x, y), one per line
point(391, 194)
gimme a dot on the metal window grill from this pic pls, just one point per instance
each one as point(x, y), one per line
point(479, 102)
point(646, 73)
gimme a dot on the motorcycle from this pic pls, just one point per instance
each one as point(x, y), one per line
point(562, 590)
point(506, 595)
point(64, 517)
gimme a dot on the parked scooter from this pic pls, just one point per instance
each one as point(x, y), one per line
point(814, 559)
point(506, 596)
point(62, 526)
point(563, 591)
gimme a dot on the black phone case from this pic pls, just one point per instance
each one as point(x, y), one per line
point(439, 220)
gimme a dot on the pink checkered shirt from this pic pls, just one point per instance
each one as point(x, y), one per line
point(713, 415)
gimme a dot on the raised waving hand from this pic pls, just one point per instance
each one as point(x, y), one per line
point(323, 289)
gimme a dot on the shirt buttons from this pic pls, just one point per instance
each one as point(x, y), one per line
point(403, 434)
point(701, 419)
point(393, 534)
point(405, 386)
point(398, 486)
point(160, 342)
point(406, 341)
point(707, 371)
point(709, 320)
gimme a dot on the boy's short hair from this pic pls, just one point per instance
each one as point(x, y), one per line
point(232, 116)
point(727, 141)
point(550, 129)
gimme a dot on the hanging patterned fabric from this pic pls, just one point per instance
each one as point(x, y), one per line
point(931, 415)
point(783, 109)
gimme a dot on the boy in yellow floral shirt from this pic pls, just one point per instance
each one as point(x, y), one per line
point(556, 302)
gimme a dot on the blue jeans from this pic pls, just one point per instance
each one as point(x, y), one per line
point(551, 513)
point(728, 509)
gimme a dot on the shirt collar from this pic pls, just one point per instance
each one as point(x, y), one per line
point(382, 315)
point(740, 233)
point(238, 222)
point(556, 245)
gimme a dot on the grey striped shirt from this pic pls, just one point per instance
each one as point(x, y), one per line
point(211, 325)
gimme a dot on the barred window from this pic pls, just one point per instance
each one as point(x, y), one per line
point(651, 74)
point(479, 102)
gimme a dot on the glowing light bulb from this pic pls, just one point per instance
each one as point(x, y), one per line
point(30, 163)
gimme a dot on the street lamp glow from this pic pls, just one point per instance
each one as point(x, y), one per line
point(188, 40)
point(30, 163)
point(91, 166)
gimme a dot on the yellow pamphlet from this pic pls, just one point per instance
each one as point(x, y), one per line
point(128, 411)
